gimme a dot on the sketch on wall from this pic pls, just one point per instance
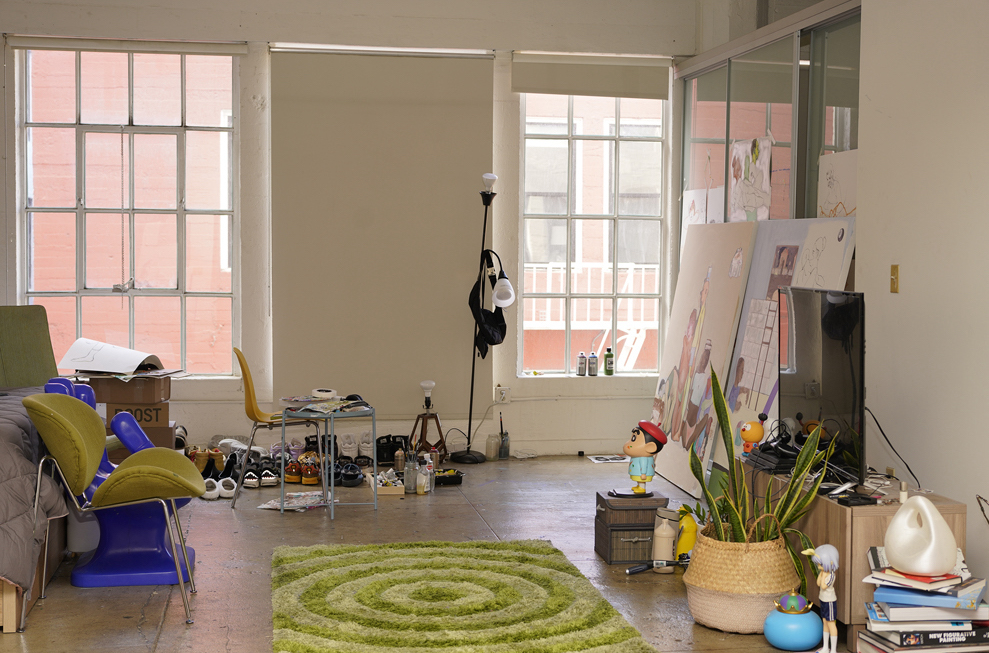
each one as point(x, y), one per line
point(704, 317)
point(837, 176)
point(782, 247)
point(694, 211)
point(751, 191)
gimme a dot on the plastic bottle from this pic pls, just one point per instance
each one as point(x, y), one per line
point(609, 362)
point(581, 364)
point(662, 545)
point(430, 474)
point(411, 474)
point(506, 446)
point(492, 446)
point(592, 364)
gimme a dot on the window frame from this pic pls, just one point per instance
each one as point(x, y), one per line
point(571, 219)
point(231, 173)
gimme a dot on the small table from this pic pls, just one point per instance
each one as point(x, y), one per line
point(328, 420)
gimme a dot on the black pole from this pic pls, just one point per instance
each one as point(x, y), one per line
point(469, 456)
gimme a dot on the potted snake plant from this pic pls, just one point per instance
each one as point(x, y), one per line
point(744, 558)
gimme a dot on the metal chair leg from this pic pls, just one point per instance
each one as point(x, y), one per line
point(178, 565)
point(185, 551)
point(243, 466)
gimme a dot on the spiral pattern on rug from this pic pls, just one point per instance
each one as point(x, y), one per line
point(470, 597)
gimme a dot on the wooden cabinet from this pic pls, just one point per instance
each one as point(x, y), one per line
point(852, 530)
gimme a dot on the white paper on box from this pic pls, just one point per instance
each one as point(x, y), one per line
point(95, 356)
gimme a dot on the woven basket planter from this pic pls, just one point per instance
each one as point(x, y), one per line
point(731, 586)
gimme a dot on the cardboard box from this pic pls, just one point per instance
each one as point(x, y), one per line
point(150, 390)
point(160, 436)
point(147, 415)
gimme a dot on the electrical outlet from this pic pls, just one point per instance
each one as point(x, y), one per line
point(812, 390)
point(503, 395)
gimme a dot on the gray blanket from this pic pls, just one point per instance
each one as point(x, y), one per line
point(21, 537)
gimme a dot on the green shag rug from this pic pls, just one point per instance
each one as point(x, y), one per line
point(441, 597)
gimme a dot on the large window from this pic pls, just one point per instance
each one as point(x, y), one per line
point(592, 233)
point(126, 200)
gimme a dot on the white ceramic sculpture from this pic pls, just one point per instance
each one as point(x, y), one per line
point(919, 541)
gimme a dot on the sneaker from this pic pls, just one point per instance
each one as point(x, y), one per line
point(310, 474)
point(212, 490)
point(295, 449)
point(293, 472)
point(217, 457)
point(351, 476)
point(201, 458)
point(269, 473)
point(366, 447)
point(252, 476)
point(349, 446)
point(227, 488)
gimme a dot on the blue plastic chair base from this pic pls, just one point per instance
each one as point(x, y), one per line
point(134, 550)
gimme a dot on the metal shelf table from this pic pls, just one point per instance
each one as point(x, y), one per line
point(327, 438)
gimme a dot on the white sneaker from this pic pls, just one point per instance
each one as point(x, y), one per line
point(212, 490)
point(367, 444)
point(348, 445)
point(227, 487)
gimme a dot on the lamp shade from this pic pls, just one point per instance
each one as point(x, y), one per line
point(503, 295)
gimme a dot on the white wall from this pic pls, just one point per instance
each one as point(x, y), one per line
point(555, 417)
point(922, 205)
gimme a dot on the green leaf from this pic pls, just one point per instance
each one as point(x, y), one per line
point(698, 471)
point(724, 423)
point(798, 566)
point(736, 523)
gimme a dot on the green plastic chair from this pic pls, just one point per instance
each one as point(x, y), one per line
point(76, 437)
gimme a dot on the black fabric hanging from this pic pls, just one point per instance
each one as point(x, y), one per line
point(491, 327)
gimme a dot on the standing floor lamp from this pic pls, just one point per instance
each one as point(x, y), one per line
point(489, 325)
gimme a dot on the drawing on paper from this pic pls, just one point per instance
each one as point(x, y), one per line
point(751, 190)
point(836, 184)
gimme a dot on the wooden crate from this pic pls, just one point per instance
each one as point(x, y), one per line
point(623, 544)
point(636, 511)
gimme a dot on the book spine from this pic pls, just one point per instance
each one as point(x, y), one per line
point(905, 596)
point(979, 635)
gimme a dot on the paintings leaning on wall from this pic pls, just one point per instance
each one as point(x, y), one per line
point(714, 267)
point(837, 176)
point(751, 190)
point(806, 253)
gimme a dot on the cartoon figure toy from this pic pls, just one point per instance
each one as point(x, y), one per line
point(826, 558)
point(647, 440)
point(752, 433)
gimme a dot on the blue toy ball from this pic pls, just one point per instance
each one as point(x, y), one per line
point(792, 626)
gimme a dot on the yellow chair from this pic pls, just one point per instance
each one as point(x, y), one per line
point(76, 437)
point(259, 417)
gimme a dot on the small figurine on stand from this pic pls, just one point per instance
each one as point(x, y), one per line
point(752, 433)
point(826, 558)
point(647, 440)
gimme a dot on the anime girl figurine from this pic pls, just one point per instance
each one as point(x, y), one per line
point(826, 558)
point(647, 440)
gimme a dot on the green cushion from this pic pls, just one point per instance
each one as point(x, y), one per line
point(148, 474)
point(74, 434)
point(26, 356)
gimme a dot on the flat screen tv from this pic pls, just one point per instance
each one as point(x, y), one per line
point(822, 373)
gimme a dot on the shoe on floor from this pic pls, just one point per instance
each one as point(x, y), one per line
point(210, 470)
point(363, 461)
point(310, 473)
point(351, 476)
point(230, 468)
point(212, 490)
point(252, 475)
point(366, 445)
point(293, 472)
point(227, 488)
point(269, 473)
point(349, 446)
point(296, 448)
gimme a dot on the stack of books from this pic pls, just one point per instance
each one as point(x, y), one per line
point(924, 614)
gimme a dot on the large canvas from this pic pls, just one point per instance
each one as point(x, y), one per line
point(751, 190)
point(806, 253)
point(837, 185)
point(713, 269)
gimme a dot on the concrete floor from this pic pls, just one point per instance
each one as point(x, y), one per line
point(548, 498)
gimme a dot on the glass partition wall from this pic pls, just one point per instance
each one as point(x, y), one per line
point(799, 90)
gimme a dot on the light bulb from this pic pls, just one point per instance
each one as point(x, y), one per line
point(489, 179)
point(427, 387)
point(503, 295)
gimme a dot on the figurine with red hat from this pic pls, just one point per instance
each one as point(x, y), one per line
point(647, 440)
